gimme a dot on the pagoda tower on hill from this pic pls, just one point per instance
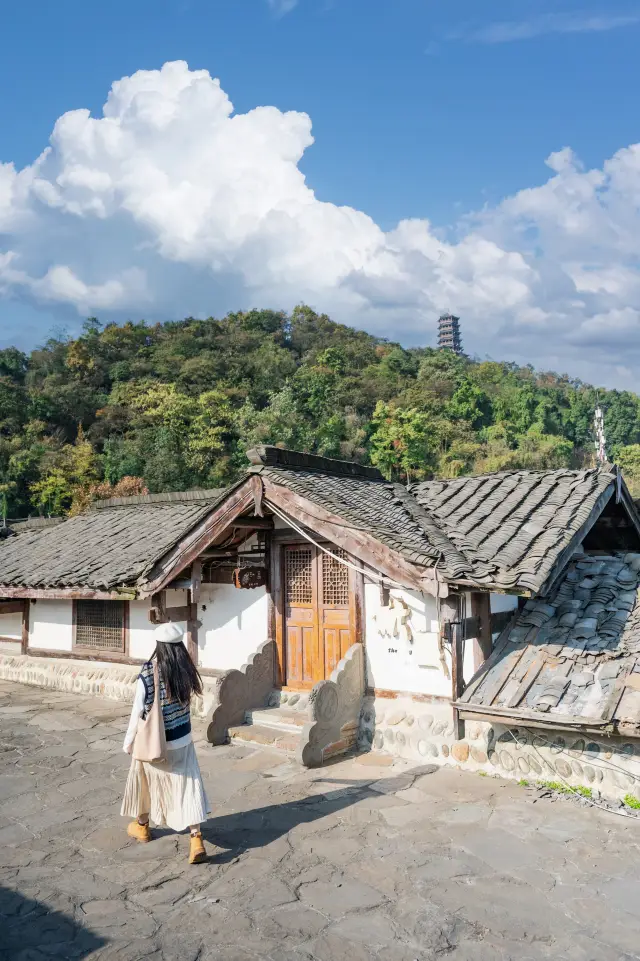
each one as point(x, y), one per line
point(449, 333)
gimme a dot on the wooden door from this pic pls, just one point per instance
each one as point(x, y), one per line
point(334, 621)
point(318, 614)
point(302, 654)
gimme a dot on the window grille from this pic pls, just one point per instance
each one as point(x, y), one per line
point(298, 574)
point(335, 579)
point(100, 625)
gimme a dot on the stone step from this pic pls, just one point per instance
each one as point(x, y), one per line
point(278, 717)
point(262, 734)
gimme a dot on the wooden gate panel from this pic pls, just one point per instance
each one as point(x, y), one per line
point(334, 614)
point(301, 618)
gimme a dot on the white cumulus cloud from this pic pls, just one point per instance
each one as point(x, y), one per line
point(171, 204)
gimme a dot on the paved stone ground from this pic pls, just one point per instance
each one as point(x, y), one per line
point(351, 863)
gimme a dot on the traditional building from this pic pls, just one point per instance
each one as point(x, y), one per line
point(489, 621)
point(449, 337)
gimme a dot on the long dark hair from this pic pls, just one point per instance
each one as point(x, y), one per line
point(177, 671)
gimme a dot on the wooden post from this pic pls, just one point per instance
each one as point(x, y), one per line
point(457, 678)
point(24, 642)
point(482, 645)
point(451, 626)
point(192, 628)
point(196, 581)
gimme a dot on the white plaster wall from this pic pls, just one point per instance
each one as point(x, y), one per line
point(141, 630)
point(141, 643)
point(393, 663)
point(11, 626)
point(396, 664)
point(234, 624)
point(51, 625)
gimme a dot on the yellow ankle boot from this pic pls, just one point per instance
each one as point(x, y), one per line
point(197, 852)
point(141, 832)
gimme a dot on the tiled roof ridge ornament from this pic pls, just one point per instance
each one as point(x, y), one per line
point(267, 455)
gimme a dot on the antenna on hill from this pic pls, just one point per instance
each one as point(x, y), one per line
point(598, 426)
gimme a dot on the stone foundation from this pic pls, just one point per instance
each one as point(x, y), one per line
point(418, 731)
point(115, 681)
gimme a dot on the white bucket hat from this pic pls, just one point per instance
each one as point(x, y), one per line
point(168, 633)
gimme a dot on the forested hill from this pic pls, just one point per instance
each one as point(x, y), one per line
point(176, 405)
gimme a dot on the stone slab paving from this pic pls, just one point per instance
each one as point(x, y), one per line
point(360, 861)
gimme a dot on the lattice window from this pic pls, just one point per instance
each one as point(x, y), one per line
point(298, 574)
point(335, 579)
point(100, 625)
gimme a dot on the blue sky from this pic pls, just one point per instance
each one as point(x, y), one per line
point(427, 109)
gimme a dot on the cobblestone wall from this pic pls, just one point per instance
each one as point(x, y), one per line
point(115, 681)
point(415, 730)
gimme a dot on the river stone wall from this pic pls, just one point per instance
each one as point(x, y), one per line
point(419, 731)
point(115, 681)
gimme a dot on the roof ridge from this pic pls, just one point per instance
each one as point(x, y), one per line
point(167, 497)
point(285, 459)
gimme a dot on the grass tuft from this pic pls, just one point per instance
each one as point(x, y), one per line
point(632, 801)
point(565, 789)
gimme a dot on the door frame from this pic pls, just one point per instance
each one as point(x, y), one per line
point(277, 626)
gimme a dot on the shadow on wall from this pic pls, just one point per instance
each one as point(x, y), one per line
point(237, 833)
point(28, 925)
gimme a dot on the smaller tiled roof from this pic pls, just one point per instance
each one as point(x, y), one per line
point(572, 655)
point(511, 527)
point(105, 549)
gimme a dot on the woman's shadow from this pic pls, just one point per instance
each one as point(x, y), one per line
point(236, 833)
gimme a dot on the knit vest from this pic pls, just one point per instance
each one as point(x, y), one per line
point(176, 716)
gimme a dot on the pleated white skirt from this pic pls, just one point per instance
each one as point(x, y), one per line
point(171, 792)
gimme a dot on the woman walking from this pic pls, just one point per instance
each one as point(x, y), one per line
point(164, 783)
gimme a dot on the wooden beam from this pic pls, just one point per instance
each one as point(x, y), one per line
point(483, 643)
point(68, 594)
point(24, 644)
point(546, 719)
point(542, 721)
point(11, 607)
point(196, 580)
point(192, 629)
point(451, 628)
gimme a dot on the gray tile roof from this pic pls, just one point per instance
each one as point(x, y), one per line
point(512, 527)
point(574, 653)
point(100, 550)
point(508, 531)
point(374, 506)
